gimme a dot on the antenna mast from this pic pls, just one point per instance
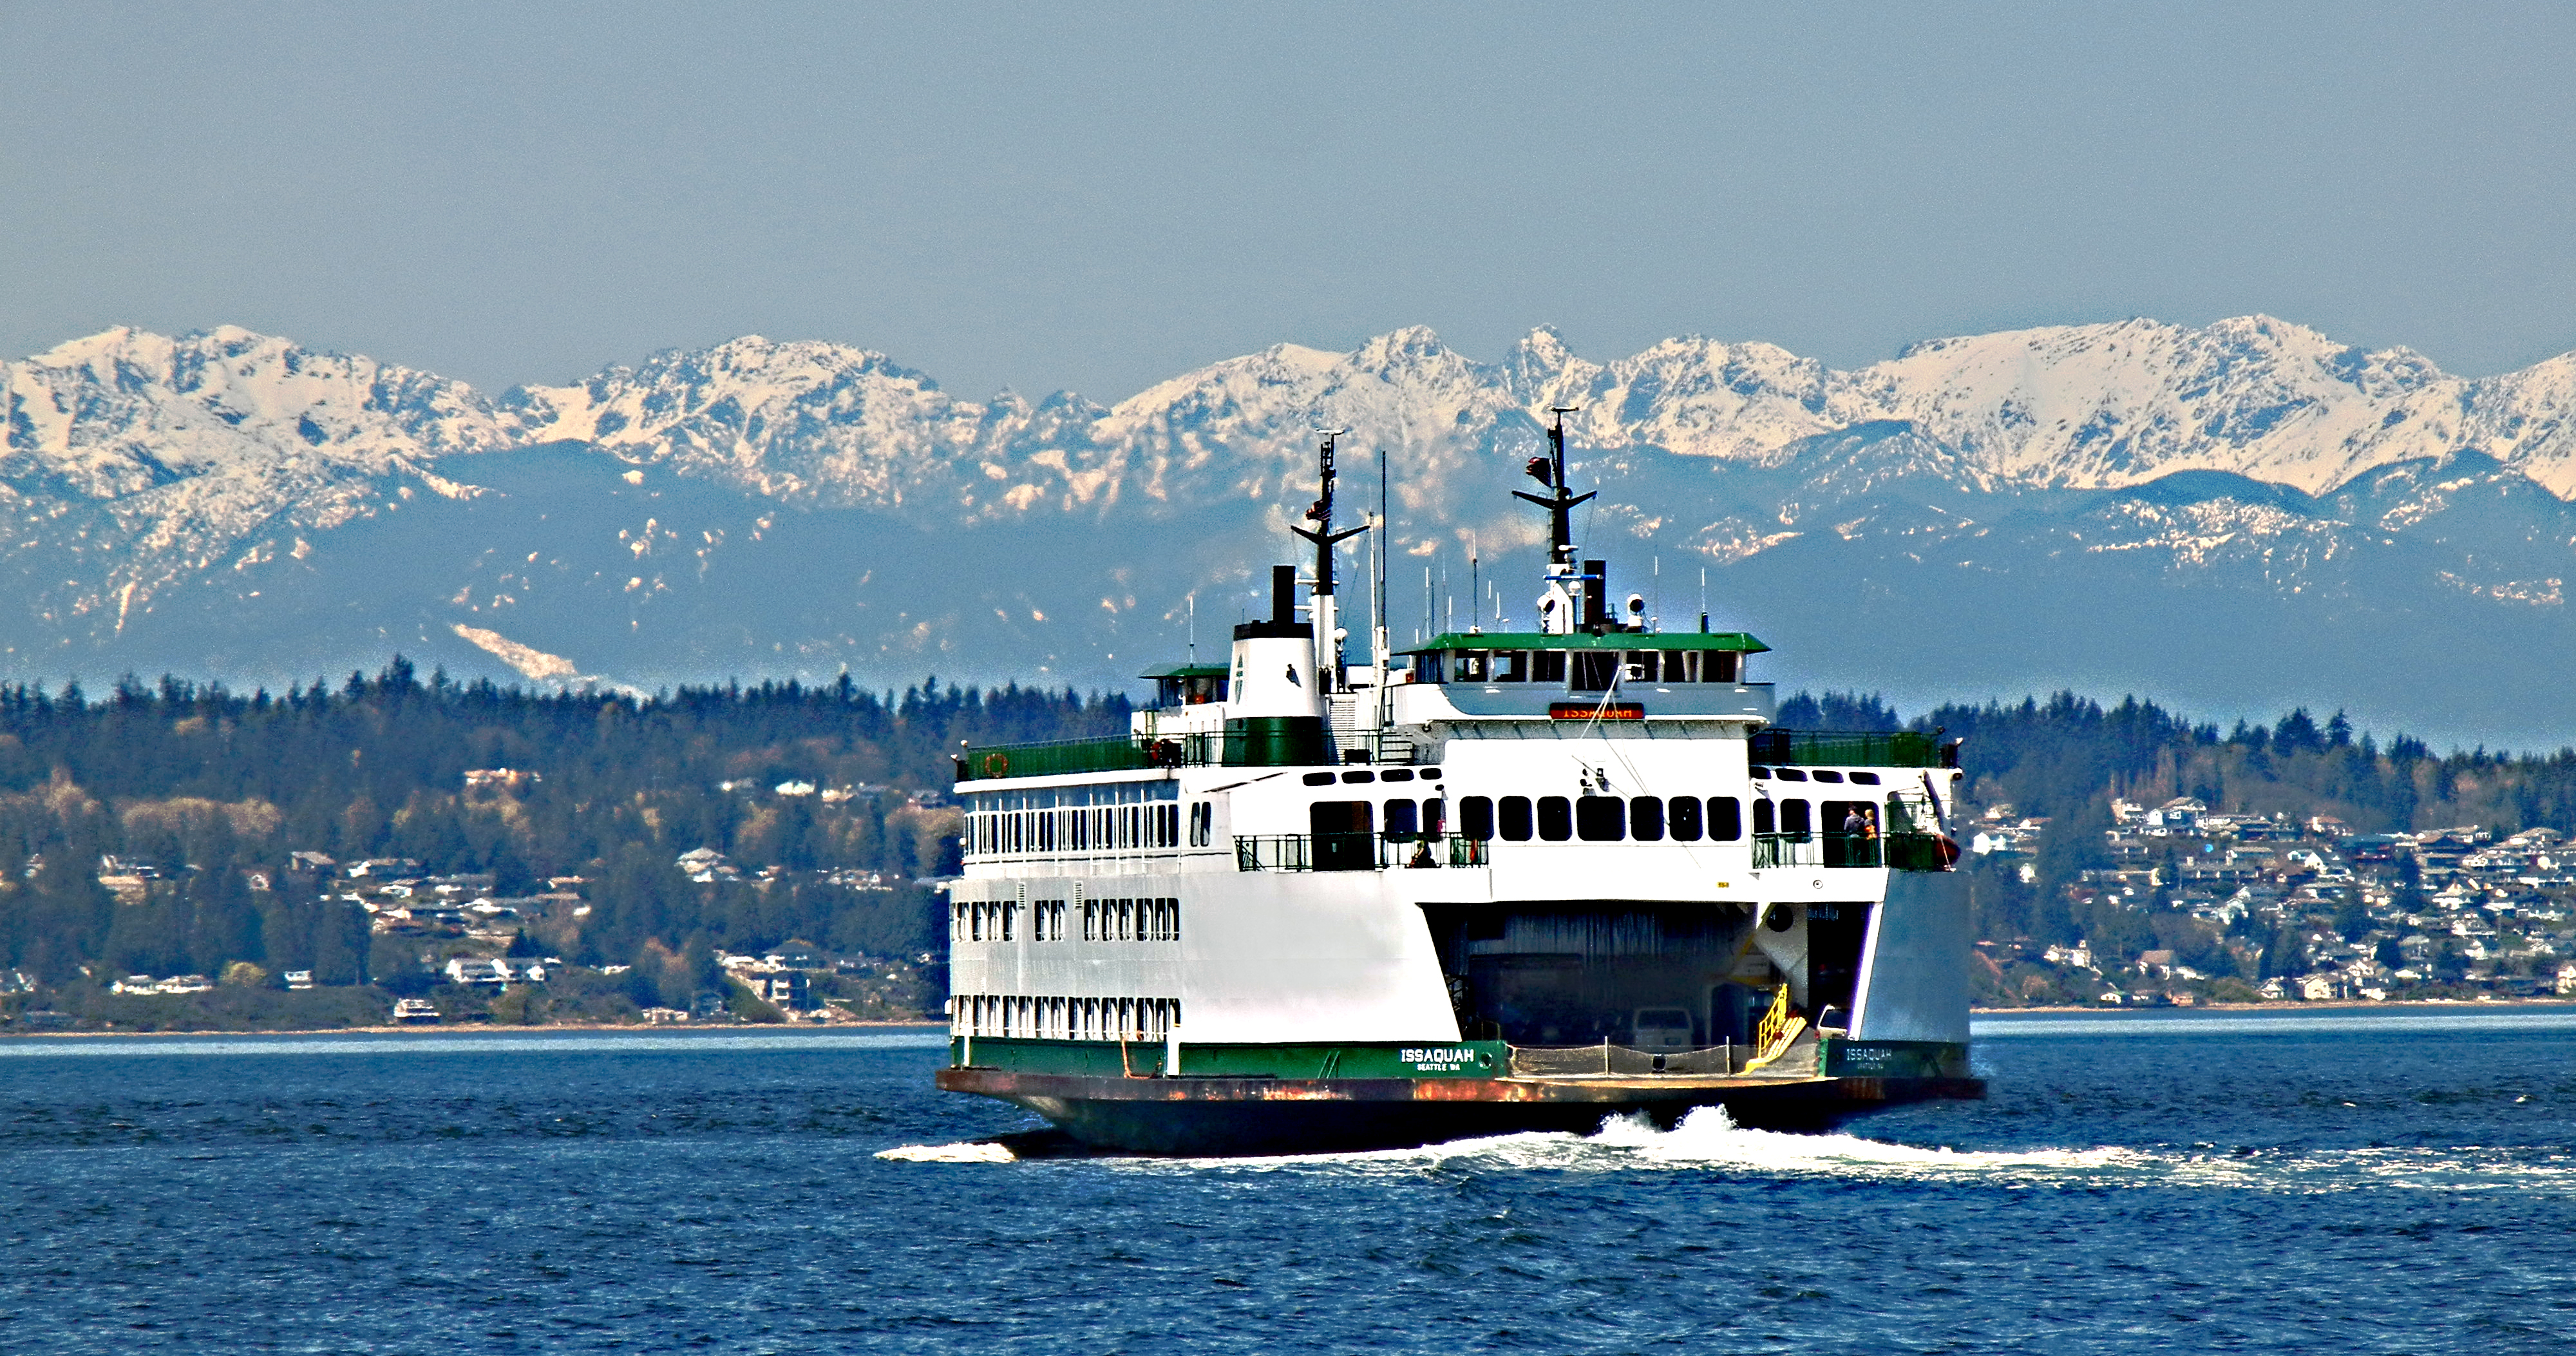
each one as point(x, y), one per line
point(1328, 646)
point(1571, 594)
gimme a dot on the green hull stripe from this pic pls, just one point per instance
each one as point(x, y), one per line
point(1893, 1059)
point(1456, 1059)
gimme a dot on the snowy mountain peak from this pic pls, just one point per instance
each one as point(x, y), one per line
point(124, 411)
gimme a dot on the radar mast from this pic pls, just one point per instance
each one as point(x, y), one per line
point(1572, 597)
point(1328, 641)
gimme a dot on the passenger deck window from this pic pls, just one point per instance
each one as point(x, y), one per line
point(1402, 823)
point(1764, 820)
point(1515, 818)
point(1601, 819)
point(1685, 819)
point(1726, 818)
point(1555, 818)
point(1795, 817)
point(1476, 816)
point(1646, 818)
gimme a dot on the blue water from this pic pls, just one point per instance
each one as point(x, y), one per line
point(2376, 1181)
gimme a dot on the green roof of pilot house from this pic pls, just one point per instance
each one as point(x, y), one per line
point(1740, 642)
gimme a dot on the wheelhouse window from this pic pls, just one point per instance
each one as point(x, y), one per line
point(1716, 666)
point(1594, 670)
point(1510, 666)
point(1467, 666)
point(1343, 835)
point(1547, 666)
point(1601, 819)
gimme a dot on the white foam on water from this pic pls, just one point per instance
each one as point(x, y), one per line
point(972, 1151)
point(1707, 1139)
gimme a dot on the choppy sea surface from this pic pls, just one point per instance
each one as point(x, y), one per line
point(2373, 1181)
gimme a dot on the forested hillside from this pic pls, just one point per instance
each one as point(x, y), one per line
point(153, 829)
point(2064, 761)
point(2069, 753)
point(203, 795)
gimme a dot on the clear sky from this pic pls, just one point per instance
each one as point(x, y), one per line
point(1098, 196)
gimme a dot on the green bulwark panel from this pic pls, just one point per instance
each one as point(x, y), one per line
point(1117, 753)
point(1845, 748)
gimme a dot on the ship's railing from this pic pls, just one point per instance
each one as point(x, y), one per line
point(1902, 851)
point(1353, 851)
point(1274, 852)
point(1626, 1061)
point(1054, 757)
point(1850, 748)
point(1786, 849)
point(1251, 741)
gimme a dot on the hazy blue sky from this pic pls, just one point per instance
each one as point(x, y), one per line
point(1099, 196)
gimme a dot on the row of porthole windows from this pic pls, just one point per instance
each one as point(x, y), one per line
point(1602, 819)
point(1582, 670)
point(1040, 1017)
point(1681, 819)
point(1107, 828)
point(1103, 920)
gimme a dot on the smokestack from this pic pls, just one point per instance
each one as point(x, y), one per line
point(1283, 594)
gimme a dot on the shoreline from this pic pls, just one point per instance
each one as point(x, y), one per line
point(489, 1029)
point(2291, 1005)
point(932, 1023)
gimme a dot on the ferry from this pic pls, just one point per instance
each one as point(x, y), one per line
point(1501, 881)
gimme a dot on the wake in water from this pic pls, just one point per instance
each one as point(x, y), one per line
point(1707, 1139)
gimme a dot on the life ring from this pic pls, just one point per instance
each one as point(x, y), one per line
point(997, 764)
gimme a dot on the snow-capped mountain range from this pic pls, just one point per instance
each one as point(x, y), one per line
point(227, 503)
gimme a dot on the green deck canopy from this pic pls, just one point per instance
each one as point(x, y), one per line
point(1738, 642)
